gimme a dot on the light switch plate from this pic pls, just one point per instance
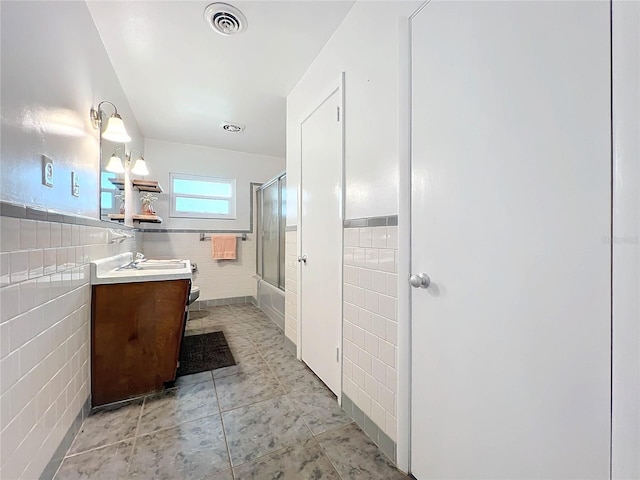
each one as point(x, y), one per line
point(47, 171)
point(75, 185)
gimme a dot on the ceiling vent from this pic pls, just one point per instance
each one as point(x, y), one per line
point(225, 19)
point(232, 127)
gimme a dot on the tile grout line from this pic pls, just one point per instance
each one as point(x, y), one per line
point(324, 454)
point(253, 345)
point(283, 395)
point(224, 430)
point(135, 434)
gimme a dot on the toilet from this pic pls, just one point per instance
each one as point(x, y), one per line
point(193, 294)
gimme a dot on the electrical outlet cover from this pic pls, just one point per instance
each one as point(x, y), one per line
point(47, 171)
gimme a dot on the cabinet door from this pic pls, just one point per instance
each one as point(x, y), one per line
point(135, 337)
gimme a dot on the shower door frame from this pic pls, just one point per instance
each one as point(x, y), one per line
point(259, 229)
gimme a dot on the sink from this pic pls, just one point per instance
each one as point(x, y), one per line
point(108, 270)
point(159, 265)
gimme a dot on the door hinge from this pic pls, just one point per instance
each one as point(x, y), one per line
point(338, 354)
point(338, 112)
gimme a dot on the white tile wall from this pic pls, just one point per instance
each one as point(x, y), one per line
point(370, 323)
point(45, 308)
point(291, 286)
point(216, 278)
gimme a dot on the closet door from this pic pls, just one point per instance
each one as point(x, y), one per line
point(511, 202)
point(321, 242)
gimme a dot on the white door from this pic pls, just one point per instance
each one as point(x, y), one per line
point(511, 174)
point(321, 220)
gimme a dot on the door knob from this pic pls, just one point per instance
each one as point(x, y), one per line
point(303, 259)
point(420, 280)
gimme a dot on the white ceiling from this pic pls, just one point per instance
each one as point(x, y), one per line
point(182, 79)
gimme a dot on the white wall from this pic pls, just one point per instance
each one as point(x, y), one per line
point(291, 287)
point(370, 377)
point(164, 158)
point(365, 46)
point(626, 241)
point(45, 330)
point(54, 69)
point(216, 278)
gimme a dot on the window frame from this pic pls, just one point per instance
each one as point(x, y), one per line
point(113, 191)
point(173, 213)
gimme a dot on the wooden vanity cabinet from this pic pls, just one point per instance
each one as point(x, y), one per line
point(136, 332)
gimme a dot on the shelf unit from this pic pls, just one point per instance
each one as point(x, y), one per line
point(142, 186)
point(147, 186)
point(119, 217)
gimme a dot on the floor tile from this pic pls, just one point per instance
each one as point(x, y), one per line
point(191, 379)
point(250, 363)
point(268, 337)
point(226, 475)
point(194, 321)
point(220, 322)
point(195, 331)
point(275, 405)
point(104, 463)
point(244, 311)
point(356, 457)
point(178, 405)
point(248, 318)
point(262, 428)
point(319, 409)
point(239, 343)
point(193, 326)
point(297, 462)
point(107, 425)
point(191, 451)
point(197, 314)
point(292, 373)
point(276, 351)
point(246, 388)
point(227, 328)
point(244, 307)
point(221, 312)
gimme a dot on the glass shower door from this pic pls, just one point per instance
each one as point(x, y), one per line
point(271, 233)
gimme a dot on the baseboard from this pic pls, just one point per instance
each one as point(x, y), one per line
point(368, 426)
point(200, 304)
point(56, 459)
point(290, 346)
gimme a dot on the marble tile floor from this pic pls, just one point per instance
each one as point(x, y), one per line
point(268, 417)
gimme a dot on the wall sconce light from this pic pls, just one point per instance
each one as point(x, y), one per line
point(115, 164)
point(115, 131)
point(139, 166)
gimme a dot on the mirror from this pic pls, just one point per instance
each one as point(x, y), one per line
point(112, 195)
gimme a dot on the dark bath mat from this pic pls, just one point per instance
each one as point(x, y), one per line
point(200, 353)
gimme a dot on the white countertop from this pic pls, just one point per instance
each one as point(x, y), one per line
point(104, 271)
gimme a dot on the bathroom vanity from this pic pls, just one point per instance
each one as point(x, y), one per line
point(137, 324)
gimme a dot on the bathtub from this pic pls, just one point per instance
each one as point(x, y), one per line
point(271, 302)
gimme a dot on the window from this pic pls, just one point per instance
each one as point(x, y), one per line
point(193, 196)
point(108, 193)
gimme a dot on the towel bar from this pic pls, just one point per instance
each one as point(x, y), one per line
point(243, 237)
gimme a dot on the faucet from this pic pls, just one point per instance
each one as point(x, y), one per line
point(140, 258)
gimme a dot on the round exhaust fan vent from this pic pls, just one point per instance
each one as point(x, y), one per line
point(232, 127)
point(225, 19)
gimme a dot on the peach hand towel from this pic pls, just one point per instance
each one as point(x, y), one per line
point(224, 247)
